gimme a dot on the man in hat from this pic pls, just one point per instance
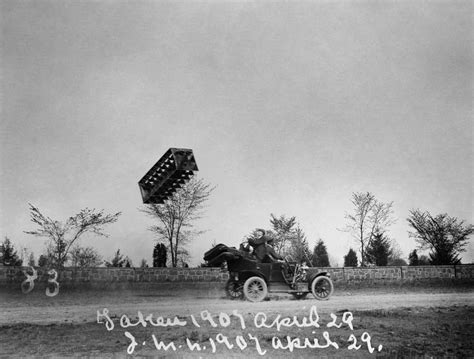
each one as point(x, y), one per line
point(262, 250)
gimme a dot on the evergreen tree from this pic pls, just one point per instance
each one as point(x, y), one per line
point(159, 255)
point(117, 261)
point(8, 255)
point(285, 236)
point(43, 261)
point(299, 250)
point(413, 258)
point(163, 256)
point(378, 250)
point(350, 259)
point(320, 255)
point(155, 254)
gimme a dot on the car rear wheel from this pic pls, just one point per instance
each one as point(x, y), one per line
point(255, 289)
point(322, 287)
point(234, 289)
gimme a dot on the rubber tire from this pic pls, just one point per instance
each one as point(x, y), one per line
point(232, 292)
point(327, 290)
point(255, 289)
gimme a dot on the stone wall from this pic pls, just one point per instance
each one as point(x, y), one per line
point(464, 272)
point(401, 274)
point(113, 277)
point(12, 277)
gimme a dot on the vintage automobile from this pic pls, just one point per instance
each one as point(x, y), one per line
point(253, 279)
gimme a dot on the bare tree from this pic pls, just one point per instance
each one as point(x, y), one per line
point(177, 215)
point(183, 258)
point(63, 235)
point(396, 252)
point(445, 236)
point(31, 260)
point(370, 216)
point(85, 257)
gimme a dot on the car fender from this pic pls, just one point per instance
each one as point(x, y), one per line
point(315, 275)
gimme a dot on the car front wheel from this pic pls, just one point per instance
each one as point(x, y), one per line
point(322, 287)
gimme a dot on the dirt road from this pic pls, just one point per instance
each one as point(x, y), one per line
point(195, 324)
point(78, 307)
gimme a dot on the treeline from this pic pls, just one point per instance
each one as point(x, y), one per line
point(442, 236)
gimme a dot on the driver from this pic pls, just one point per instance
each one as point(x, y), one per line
point(262, 250)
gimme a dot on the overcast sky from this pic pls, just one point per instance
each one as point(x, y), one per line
point(289, 107)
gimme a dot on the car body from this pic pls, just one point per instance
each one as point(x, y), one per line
point(253, 279)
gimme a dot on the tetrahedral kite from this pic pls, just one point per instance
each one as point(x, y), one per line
point(171, 171)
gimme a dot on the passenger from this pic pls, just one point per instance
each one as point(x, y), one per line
point(262, 250)
point(274, 256)
point(246, 248)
